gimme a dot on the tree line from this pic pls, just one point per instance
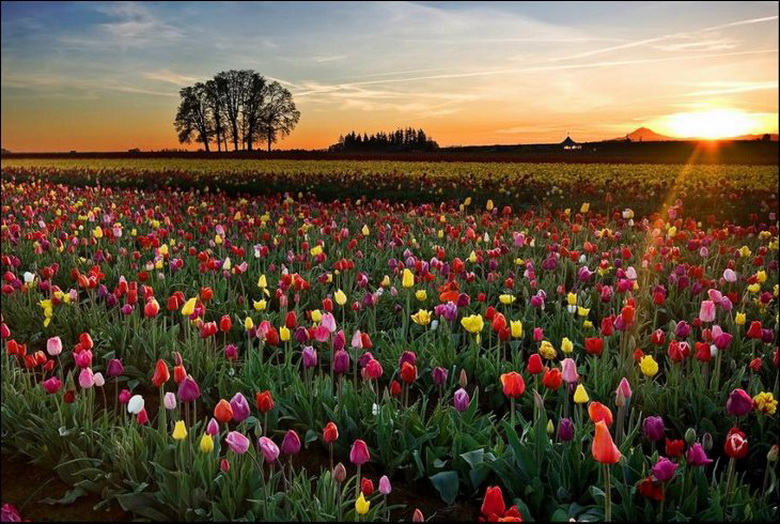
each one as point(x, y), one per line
point(408, 139)
point(236, 107)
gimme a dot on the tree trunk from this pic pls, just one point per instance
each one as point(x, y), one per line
point(269, 139)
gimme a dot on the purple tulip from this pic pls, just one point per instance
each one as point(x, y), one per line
point(664, 469)
point(231, 352)
point(268, 448)
point(565, 429)
point(126, 310)
point(653, 428)
point(301, 335)
point(449, 311)
point(189, 390)
point(309, 357)
point(341, 362)
point(696, 456)
point(463, 300)
point(682, 330)
point(439, 375)
point(114, 368)
point(365, 358)
point(124, 396)
point(212, 428)
point(461, 400)
point(339, 341)
point(237, 442)
point(739, 403)
point(240, 407)
point(291, 444)
point(407, 356)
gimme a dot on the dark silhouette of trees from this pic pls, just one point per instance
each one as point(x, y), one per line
point(408, 139)
point(238, 107)
point(193, 119)
point(278, 115)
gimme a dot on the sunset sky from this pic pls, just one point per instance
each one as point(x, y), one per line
point(105, 76)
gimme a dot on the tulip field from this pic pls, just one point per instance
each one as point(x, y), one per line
point(393, 341)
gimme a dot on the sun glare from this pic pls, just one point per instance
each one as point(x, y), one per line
point(712, 124)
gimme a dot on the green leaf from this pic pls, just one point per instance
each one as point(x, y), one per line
point(71, 496)
point(447, 484)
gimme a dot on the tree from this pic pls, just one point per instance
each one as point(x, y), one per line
point(192, 117)
point(278, 115)
point(216, 103)
point(252, 109)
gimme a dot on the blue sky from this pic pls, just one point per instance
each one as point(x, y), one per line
point(106, 75)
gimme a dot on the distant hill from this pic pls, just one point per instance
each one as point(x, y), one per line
point(644, 134)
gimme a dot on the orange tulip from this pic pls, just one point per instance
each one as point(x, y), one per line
point(599, 411)
point(223, 412)
point(513, 384)
point(604, 449)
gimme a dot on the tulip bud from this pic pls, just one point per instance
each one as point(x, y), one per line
point(706, 441)
point(339, 473)
point(550, 428)
point(463, 381)
point(418, 516)
point(538, 401)
point(771, 456)
point(690, 436)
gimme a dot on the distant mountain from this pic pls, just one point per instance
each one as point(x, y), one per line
point(644, 134)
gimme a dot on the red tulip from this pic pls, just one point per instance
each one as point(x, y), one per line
point(594, 346)
point(552, 379)
point(736, 445)
point(535, 364)
point(408, 372)
point(331, 433)
point(225, 323)
point(598, 412)
point(179, 374)
point(161, 373)
point(264, 401)
point(513, 384)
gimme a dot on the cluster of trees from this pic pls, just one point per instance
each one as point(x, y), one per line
point(237, 107)
point(399, 140)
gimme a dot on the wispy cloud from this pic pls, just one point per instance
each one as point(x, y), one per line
point(133, 25)
point(725, 88)
point(166, 75)
point(321, 59)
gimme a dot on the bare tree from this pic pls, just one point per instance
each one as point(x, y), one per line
point(278, 114)
point(216, 105)
point(192, 117)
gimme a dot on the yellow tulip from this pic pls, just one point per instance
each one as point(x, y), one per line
point(745, 252)
point(341, 297)
point(587, 324)
point(206, 443)
point(585, 207)
point(218, 240)
point(506, 299)
point(316, 250)
point(740, 318)
point(189, 307)
point(365, 230)
point(472, 257)
point(408, 278)
point(97, 232)
point(259, 305)
point(516, 327)
point(422, 317)
point(262, 282)
point(179, 431)
point(583, 312)
point(362, 505)
point(754, 288)
point(284, 333)
point(566, 345)
point(648, 366)
point(473, 323)
point(547, 350)
point(386, 281)
point(489, 206)
point(248, 323)
point(571, 299)
point(316, 315)
point(421, 294)
point(580, 395)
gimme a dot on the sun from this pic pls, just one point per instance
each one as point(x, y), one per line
point(711, 124)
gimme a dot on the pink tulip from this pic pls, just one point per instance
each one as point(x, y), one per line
point(268, 448)
point(86, 378)
point(237, 442)
point(52, 385)
point(569, 371)
point(359, 453)
point(729, 275)
point(54, 346)
point(707, 311)
point(357, 340)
